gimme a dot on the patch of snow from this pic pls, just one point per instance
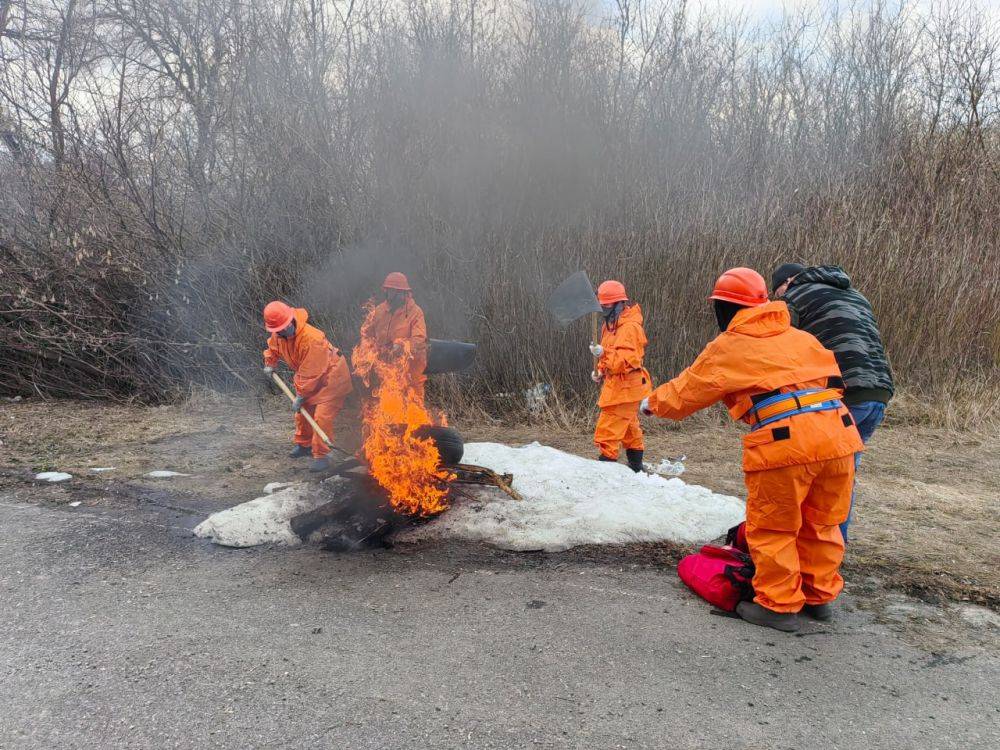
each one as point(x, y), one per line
point(264, 520)
point(164, 474)
point(53, 476)
point(569, 500)
point(272, 487)
point(102, 469)
point(74, 504)
point(671, 467)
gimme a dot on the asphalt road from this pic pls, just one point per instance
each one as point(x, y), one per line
point(120, 630)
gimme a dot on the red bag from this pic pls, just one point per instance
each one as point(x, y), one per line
point(722, 576)
point(737, 537)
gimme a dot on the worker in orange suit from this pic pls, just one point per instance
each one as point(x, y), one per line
point(322, 378)
point(798, 458)
point(397, 325)
point(625, 382)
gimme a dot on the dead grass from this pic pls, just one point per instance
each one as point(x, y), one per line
point(926, 513)
point(926, 507)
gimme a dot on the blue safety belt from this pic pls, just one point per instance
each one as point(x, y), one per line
point(793, 397)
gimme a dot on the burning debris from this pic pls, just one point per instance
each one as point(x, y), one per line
point(401, 457)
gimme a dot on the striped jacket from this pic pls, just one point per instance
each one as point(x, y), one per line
point(822, 301)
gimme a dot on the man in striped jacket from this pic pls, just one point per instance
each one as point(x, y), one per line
point(822, 302)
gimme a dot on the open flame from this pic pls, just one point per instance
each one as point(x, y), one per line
point(406, 465)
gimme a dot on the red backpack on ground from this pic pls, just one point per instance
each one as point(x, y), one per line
point(737, 537)
point(721, 576)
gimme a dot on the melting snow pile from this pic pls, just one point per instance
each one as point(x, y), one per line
point(570, 500)
point(261, 521)
point(165, 474)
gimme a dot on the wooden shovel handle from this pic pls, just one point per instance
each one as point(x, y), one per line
point(308, 417)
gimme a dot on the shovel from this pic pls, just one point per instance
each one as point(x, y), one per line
point(308, 417)
point(573, 299)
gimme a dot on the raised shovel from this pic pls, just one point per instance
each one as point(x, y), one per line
point(573, 299)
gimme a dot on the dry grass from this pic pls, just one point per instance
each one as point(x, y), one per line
point(145, 220)
point(926, 509)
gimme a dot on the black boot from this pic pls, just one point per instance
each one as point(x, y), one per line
point(602, 457)
point(821, 612)
point(758, 615)
point(634, 460)
point(300, 451)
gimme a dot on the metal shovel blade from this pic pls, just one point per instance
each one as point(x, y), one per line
point(449, 356)
point(573, 299)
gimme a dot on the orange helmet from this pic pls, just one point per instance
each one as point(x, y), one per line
point(610, 292)
point(744, 286)
point(396, 280)
point(277, 316)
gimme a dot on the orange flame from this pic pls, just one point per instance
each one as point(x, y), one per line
point(406, 465)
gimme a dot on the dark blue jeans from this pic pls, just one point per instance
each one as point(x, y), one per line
point(868, 415)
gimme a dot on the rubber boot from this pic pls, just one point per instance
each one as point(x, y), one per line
point(602, 457)
point(821, 612)
point(319, 464)
point(300, 451)
point(635, 460)
point(766, 618)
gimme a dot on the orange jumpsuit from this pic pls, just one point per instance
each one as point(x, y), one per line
point(386, 328)
point(626, 384)
point(322, 378)
point(798, 470)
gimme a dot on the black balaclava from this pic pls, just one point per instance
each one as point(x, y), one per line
point(396, 298)
point(611, 313)
point(288, 332)
point(725, 312)
point(783, 273)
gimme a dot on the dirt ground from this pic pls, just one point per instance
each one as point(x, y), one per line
point(925, 518)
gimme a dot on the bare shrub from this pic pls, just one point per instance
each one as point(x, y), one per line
point(169, 166)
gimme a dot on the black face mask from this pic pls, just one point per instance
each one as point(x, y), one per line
point(611, 313)
point(288, 332)
point(395, 298)
point(725, 312)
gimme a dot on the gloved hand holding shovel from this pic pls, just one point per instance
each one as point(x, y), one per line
point(297, 402)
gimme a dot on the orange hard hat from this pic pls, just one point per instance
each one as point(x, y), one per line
point(610, 292)
point(396, 280)
point(277, 316)
point(744, 286)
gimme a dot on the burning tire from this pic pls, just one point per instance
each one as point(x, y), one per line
point(449, 443)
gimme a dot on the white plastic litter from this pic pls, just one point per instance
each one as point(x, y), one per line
point(671, 467)
point(102, 469)
point(164, 474)
point(261, 521)
point(536, 396)
point(570, 501)
point(53, 476)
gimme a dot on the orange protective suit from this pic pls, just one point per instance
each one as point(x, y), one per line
point(626, 384)
point(386, 328)
point(798, 470)
point(322, 378)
